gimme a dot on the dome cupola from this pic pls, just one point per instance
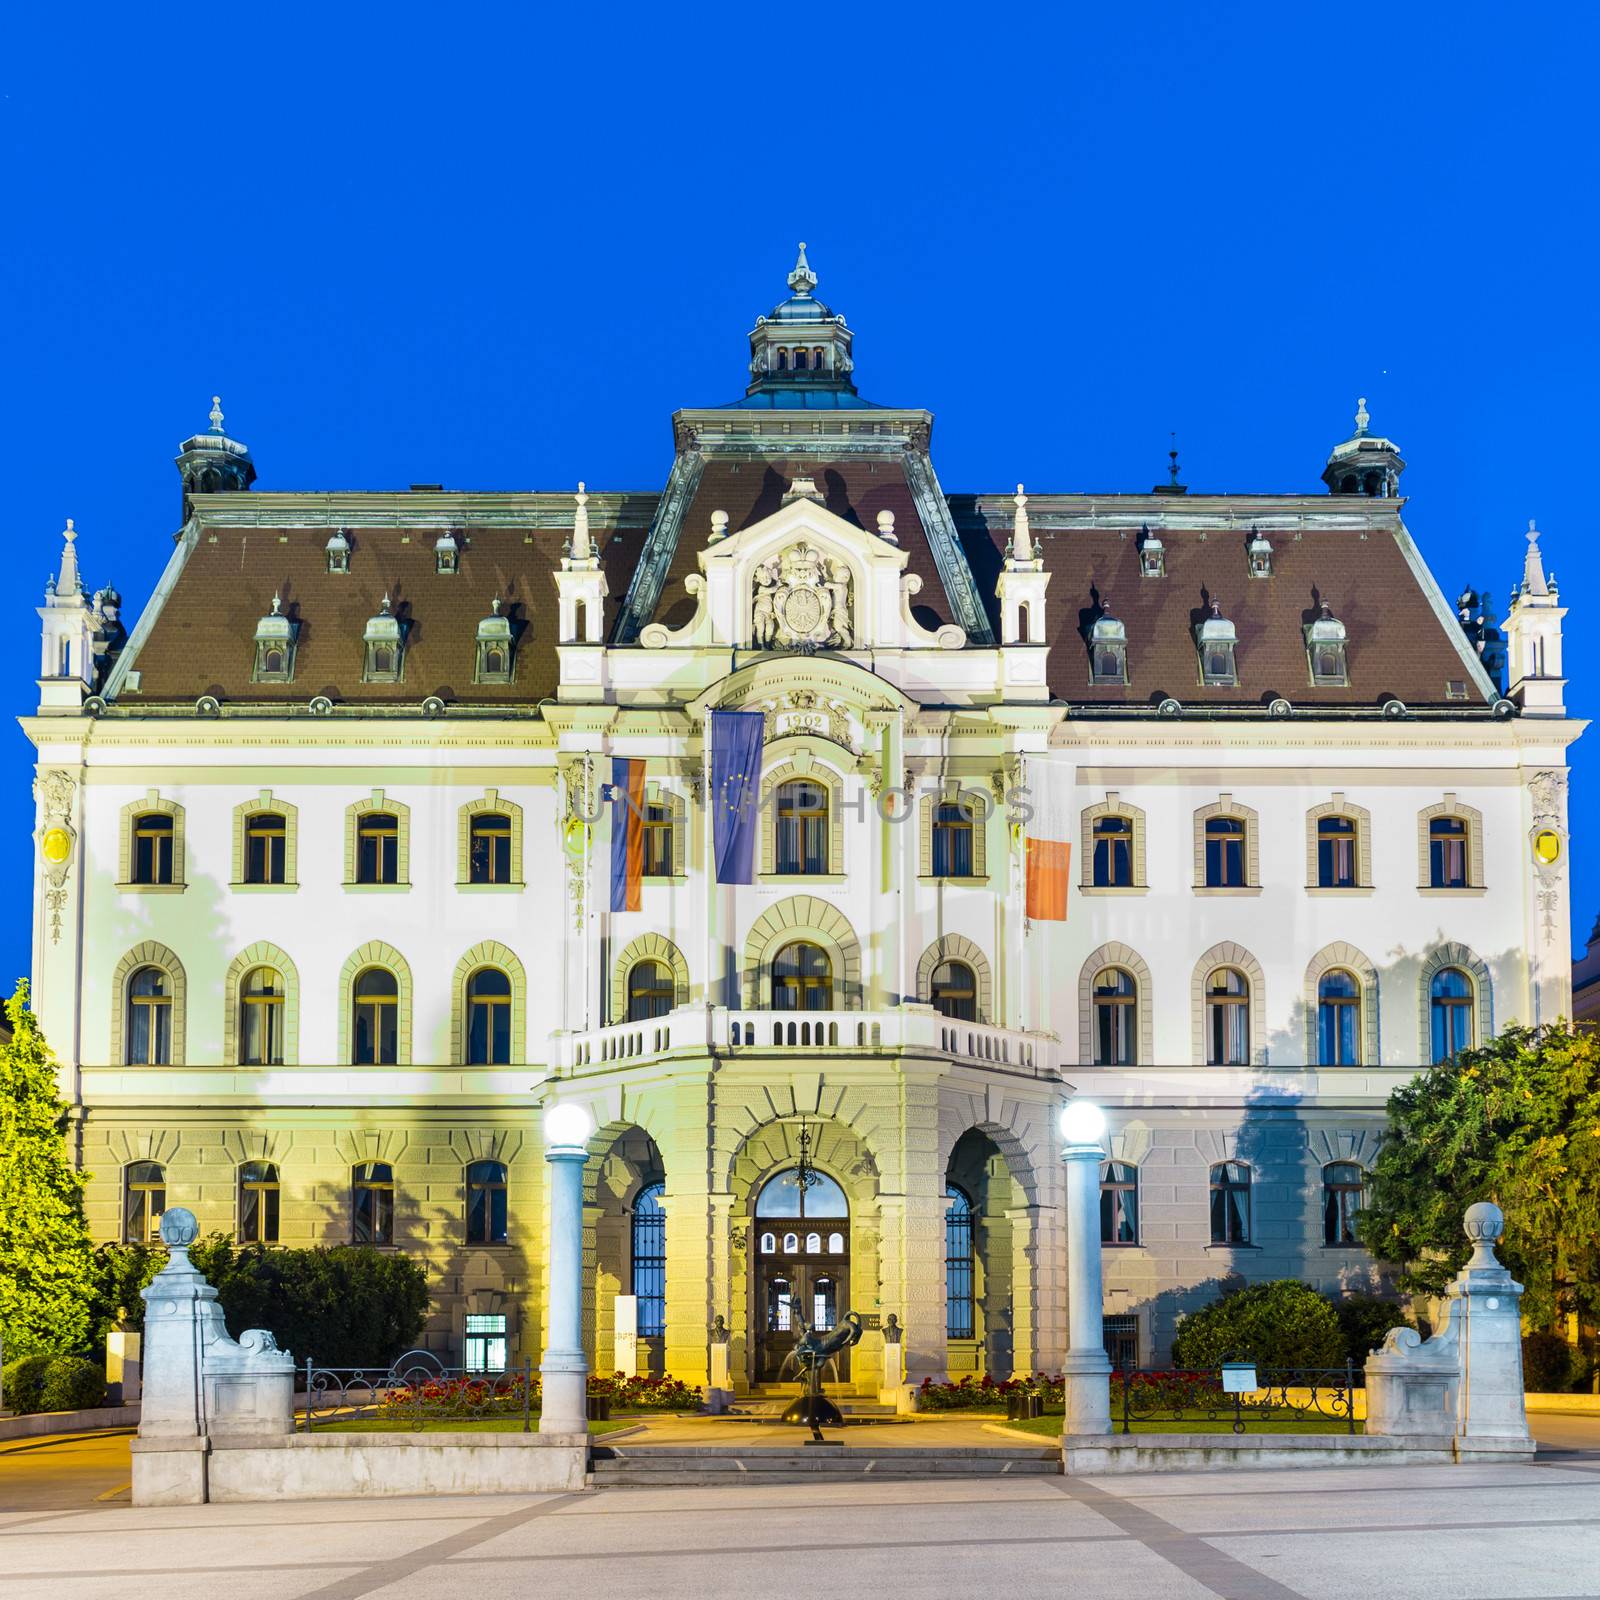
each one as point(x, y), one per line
point(800, 346)
point(1366, 463)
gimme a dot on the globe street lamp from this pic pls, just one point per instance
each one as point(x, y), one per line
point(565, 1368)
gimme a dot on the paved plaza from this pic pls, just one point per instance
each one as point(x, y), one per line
point(1469, 1533)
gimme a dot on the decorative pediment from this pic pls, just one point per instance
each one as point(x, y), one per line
point(800, 581)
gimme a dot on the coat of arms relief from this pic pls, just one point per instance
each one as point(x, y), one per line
point(802, 601)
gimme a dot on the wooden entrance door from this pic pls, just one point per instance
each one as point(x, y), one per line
point(790, 1287)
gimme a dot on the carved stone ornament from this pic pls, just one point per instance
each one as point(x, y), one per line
point(1545, 789)
point(55, 794)
point(802, 601)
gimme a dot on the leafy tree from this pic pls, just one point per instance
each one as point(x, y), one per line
point(1516, 1121)
point(1285, 1323)
point(1365, 1321)
point(46, 1280)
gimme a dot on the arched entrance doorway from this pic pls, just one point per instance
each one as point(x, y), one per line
point(802, 1265)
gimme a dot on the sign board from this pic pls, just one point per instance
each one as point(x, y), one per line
point(627, 1335)
point(871, 1321)
point(1239, 1377)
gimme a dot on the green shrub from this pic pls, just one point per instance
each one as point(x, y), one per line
point(72, 1384)
point(1549, 1364)
point(1281, 1324)
point(24, 1382)
point(1365, 1320)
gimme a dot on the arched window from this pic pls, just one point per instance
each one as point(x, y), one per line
point(1451, 1000)
point(261, 997)
point(835, 1244)
point(768, 1244)
point(375, 1008)
point(1225, 853)
point(650, 990)
point(372, 1203)
point(1342, 1186)
point(802, 979)
point(814, 1244)
point(1336, 853)
point(1119, 1203)
point(149, 1018)
point(144, 1199)
point(266, 839)
point(1227, 1018)
point(1338, 1019)
point(802, 831)
point(952, 839)
point(1230, 1203)
point(152, 848)
point(783, 361)
point(954, 991)
point(1113, 852)
point(488, 1018)
point(650, 1260)
point(489, 848)
point(782, 1196)
point(258, 1203)
point(1447, 853)
point(1116, 1019)
point(791, 1242)
point(486, 1202)
point(958, 1266)
point(377, 848)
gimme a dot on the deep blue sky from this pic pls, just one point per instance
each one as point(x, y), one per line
point(494, 248)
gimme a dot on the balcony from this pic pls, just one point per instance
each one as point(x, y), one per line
point(718, 1031)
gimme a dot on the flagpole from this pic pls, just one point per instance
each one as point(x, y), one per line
point(711, 861)
point(588, 898)
point(1022, 911)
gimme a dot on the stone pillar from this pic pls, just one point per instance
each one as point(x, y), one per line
point(683, 1136)
point(920, 1246)
point(1024, 1289)
point(122, 1365)
point(1485, 1309)
point(1087, 1366)
point(565, 1368)
point(719, 1386)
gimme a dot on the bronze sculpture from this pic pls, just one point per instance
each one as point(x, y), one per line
point(812, 1408)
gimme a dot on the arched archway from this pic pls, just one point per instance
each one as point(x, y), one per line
point(624, 1174)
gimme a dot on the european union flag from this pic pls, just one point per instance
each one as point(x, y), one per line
point(736, 792)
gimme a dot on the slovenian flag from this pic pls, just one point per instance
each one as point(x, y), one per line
point(1049, 845)
point(627, 832)
point(736, 738)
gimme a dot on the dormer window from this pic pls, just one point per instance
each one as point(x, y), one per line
point(1326, 650)
point(1260, 556)
point(385, 647)
point(494, 647)
point(275, 641)
point(1216, 641)
point(1108, 649)
point(1152, 557)
point(446, 554)
point(338, 548)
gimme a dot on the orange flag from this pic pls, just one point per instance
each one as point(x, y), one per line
point(1049, 852)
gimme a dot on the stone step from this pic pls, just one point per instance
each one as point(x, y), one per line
point(652, 1465)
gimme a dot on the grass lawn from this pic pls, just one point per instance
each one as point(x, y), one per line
point(1197, 1422)
point(459, 1424)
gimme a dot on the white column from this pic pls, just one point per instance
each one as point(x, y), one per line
point(1087, 1367)
point(565, 1368)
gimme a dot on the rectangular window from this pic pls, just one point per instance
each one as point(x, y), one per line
point(152, 849)
point(487, 1345)
point(373, 1212)
point(490, 849)
point(952, 840)
point(802, 828)
point(265, 841)
point(1113, 853)
point(657, 832)
point(1447, 853)
point(378, 849)
point(1336, 853)
point(1225, 857)
point(650, 1263)
point(959, 1314)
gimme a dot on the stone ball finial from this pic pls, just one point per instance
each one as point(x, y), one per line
point(886, 526)
point(1485, 1220)
point(719, 526)
point(179, 1230)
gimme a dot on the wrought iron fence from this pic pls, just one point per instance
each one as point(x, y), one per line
point(416, 1389)
point(1280, 1393)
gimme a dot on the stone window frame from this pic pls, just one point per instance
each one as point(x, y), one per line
point(1338, 806)
point(981, 804)
point(375, 953)
point(678, 817)
point(489, 953)
point(261, 954)
point(378, 800)
point(798, 772)
point(954, 947)
point(647, 947)
point(1226, 806)
point(1454, 955)
point(1113, 806)
point(1343, 957)
point(492, 803)
point(801, 917)
point(1228, 954)
point(148, 954)
point(242, 813)
point(1116, 954)
point(152, 804)
point(1451, 806)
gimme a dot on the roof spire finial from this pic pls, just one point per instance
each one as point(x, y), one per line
point(1021, 533)
point(383, 609)
point(1172, 457)
point(277, 604)
point(1533, 578)
point(581, 550)
point(1362, 416)
point(69, 582)
point(494, 606)
point(216, 413)
point(802, 280)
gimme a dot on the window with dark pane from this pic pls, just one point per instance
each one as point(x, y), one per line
point(802, 824)
point(1113, 852)
point(1225, 853)
point(1336, 853)
point(489, 855)
point(488, 1018)
point(952, 839)
point(958, 1265)
point(486, 1202)
point(1342, 1185)
point(377, 848)
point(152, 848)
point(375, 1030)
point(1119, 1203)
point(1230, 1203)
point(266, 838)
point(258, 1203)
point(650, 1260)
point(372, 1203)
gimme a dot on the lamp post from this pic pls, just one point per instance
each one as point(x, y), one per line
point(565, 1368)
point(1087, 1368)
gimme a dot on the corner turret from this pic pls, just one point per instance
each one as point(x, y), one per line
point(212, 463)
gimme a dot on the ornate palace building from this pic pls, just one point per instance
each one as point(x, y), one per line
point(399, 814)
